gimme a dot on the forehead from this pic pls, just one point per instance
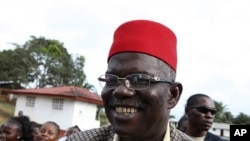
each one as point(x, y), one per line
point(204, 101)
point(10, 126)
point(138, 62)
point(73, 129)
point(49, 126)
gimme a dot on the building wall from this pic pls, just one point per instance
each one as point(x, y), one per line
point(85, 115)
point(73, 113)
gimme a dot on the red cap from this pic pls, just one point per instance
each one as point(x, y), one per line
point(144, 36)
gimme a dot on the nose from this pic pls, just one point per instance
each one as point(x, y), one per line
point(44, 134)
point(122, 90)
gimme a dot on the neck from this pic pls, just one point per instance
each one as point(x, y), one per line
point(158, 138)
point(194, 132)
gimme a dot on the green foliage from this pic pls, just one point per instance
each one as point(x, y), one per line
point(41, 62)
point(242, 119)
point(6, 111)
point(224, 116)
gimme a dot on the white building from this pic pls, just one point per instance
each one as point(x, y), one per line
point(66, 105)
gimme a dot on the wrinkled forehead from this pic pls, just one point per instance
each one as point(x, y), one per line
point(135, 56)
point(131, 62)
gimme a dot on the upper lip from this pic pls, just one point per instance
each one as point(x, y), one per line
point(208, 122)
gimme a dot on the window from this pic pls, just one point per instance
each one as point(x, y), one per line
point(57, 104)
point(30, 101)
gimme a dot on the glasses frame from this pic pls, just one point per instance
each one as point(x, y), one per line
point(151, 79)
point(204, 109)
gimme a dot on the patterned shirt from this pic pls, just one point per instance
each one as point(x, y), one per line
point(107, 133)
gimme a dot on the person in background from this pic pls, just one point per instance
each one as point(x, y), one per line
point(73, 130)
point(182, 124)
point(1, 130)
point(200, 111)
point(36, 130)
point(17, 129)
point(20, 113)
point(70, 131)
point(50, 131)
point(139, 88)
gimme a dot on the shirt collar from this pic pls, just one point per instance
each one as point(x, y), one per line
point(166, 137)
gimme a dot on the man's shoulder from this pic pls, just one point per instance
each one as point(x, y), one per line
point(177, 135)
point(105, 133)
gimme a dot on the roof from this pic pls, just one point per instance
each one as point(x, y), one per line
point(10, 85)
point(71, 92)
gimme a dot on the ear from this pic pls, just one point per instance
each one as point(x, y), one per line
point(19, 135)
point(187, 111)
point(174, 95)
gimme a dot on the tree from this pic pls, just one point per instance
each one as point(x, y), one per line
point(41, 62)
point(14, 66)
point(222, 114)
point(225, 116)
point(242, 119)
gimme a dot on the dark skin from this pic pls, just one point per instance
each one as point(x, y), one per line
point(152, 105)
point(183, 126)
point(49, 132)
point(200, 123)
point(71, 131)
point(10, 132)
point(36, 133)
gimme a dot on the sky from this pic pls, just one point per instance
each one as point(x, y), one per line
point(213, 38)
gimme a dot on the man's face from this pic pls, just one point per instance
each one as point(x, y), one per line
point(202, 121)
point(183, 126)
point(136, 113)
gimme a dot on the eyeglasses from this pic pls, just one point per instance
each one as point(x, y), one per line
point(132, 81)
point(204, 110)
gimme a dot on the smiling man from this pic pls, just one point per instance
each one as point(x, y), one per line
point(139, 87)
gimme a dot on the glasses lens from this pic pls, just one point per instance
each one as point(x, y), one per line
point(138, 81)
point(205, 110)
point(108, 80)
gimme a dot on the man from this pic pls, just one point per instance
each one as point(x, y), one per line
point(71, 130)
point(20, 113)
point(182, 124)
point(200, 112)
point(139, 85)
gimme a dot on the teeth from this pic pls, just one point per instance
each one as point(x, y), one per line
point(125, 110)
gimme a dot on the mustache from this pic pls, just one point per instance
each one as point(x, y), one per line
point(126, 102)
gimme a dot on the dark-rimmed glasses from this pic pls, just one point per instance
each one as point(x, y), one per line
point(204, 110)
point(132, 81)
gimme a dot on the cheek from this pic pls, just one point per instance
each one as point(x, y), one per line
point(156, 96)
point(106, 94)
point(52, 137)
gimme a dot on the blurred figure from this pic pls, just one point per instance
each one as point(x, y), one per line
point(1, 130)
point(70, 131)
point(200, 111)
point(36, 130)
point(20, 113)
point(50, 131)
point(182, 124)
point(16, 129)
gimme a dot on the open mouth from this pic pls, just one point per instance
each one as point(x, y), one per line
point(125, 110)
